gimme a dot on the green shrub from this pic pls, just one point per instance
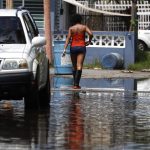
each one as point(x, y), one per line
point(142, 61)
point(95, 64)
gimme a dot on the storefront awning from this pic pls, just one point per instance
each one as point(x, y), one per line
point(73, 2)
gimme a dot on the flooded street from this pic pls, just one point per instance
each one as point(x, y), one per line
point(106, 118)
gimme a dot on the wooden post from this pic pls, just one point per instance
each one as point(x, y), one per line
point(47, 28)
point(134, 25)
point(9, 4)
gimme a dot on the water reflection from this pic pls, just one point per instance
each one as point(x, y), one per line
point(110, 83)
point(81, 121)
point(22, 130)
point(98, 122)
point(75, 133)
point(117, 120)
point(143, 85)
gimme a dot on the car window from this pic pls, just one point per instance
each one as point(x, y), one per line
point(11, 31)
point(34, 25)
point(30, 26)
point(147, 28)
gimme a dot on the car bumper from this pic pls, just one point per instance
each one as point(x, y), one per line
point(16, 85)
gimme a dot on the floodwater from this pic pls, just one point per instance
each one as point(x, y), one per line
point(106, 118)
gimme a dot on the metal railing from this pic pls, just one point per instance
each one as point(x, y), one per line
point(121, 23)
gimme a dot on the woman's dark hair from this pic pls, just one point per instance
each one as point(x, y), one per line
point(76, 19)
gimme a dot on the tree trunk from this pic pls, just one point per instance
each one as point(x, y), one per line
point(47, 28)
point(134, 25)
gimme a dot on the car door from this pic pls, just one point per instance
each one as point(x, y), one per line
point(40, 54)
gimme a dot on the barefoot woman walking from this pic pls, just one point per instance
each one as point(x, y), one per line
point(76, 35)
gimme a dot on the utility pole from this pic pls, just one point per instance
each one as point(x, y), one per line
point(47, 28)
point(23, 2)
point(134, 25)
point(9, 4)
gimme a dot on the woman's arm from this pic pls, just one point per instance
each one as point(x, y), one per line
point(67, 41)
point(90, 35)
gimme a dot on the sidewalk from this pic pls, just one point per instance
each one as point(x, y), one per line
point(101, 73)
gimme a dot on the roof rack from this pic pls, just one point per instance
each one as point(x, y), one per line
point(19, 9)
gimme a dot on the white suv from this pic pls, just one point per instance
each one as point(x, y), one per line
point(144, 39)
point(24, 66)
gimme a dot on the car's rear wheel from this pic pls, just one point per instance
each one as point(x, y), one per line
point(44, 94)
point(141, 46)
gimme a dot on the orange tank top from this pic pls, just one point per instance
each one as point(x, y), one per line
point(78, 39)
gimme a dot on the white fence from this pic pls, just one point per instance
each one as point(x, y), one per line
point(99, 40)
point(143, 10)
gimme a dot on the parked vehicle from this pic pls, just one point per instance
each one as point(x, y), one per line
point(144, 39)
point(24, 66)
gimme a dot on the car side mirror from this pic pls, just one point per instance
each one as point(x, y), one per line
point(38, 41)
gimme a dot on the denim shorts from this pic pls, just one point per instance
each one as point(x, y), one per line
point(77, 49)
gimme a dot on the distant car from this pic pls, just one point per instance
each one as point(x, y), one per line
point(144, 39)
point(24, 66)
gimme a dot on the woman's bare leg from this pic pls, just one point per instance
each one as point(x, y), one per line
point(80, 60)
point(74, 65)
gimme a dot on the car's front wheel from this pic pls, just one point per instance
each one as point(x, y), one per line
point(44, 94)
point(141, 46)
point(31, 100)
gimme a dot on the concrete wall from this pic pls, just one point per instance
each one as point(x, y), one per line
point(127, 52)
point(107, 42)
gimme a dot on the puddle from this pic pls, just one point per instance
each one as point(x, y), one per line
point(143, 85)
point(106, 120)
point(128, 84)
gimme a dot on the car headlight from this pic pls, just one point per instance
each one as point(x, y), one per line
point(14, 64)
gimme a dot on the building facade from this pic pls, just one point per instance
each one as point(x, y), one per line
point(36, 8)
